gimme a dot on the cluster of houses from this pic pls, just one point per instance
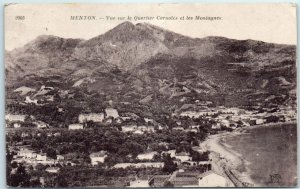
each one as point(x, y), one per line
point(16, 120)
point(183, 178)
point(182, 159)
point(107, 117)
point(31, 157)
point(41, 97)
point(234, 117)
point(222, 117)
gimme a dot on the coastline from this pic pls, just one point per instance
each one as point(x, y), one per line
point(266, 125)
point(225, 158)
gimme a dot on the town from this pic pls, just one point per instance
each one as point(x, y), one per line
point(115, 147)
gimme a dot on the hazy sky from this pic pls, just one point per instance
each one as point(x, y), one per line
point(266, 22)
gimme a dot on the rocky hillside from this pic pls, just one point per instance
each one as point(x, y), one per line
point(150, 65)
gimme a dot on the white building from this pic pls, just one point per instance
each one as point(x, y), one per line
point(75, 126)
point(95, 117)
point(260, 121)
point(140, 165)
point(28, 100)
point(171, 152)
point(26, 153)
point(216, 126)
point(147, 120)
point(138, 132)
point(98, 157)
point(178, 128)
point(17, 125)
point(15, 118)
point(195, 114)
point(129, 128)
point(41, 157)
point(211, 179)
point(138, 184)
point(41, 124)
point(146, 156)
point(60, 157)
point(111, 112)
point(146, 128)
point(183, 156)
point(52, 169)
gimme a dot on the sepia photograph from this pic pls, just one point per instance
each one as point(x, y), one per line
point(150, 95)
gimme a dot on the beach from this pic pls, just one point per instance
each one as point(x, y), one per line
point(246, 151)
point(222, 156)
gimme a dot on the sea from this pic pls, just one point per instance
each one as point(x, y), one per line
point(269, 153)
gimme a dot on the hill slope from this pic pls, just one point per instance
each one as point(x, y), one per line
point(143, 63)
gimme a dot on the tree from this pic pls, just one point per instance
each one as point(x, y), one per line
point(61, 181)
point(20, 178)
point(51, 153)
point(169, 165)
point(40, 167)
point(35, 183)
point(196, 156)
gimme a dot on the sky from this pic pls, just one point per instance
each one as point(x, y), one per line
point(274, 23)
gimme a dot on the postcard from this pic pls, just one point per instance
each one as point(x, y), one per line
point(151, 95)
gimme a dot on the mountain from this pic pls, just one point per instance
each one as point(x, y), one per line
point(149, 65)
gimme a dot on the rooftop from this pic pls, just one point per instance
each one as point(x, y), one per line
point(98, 154)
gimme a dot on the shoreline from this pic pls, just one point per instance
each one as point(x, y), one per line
point(228, 160)
point(222, 154)
point(266, 125)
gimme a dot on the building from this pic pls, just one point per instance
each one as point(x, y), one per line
point(26, 153)
point(146, 156)
point(183, 156)
point(124, 165)
point(260, 121)
point(181, 180)
point(192, 130)
point(158, 181)
point(17, 125)
point(146, 128)
point(111, 112)
point(28, 100)
point(60, 157)
point(178, 128)
point(194, 114)
point(41, 124)
point(15, 118)
point(52, 169)
point(24, 134)
point(138, 183)
point(98, 157)
point(216, 126)
point(129, 128)
point(95, 117)
point(148, 120)
point(171, 152)
point(57, 134)
point(75, 126)
point(140, 165)
point(149, 165)
point(138, 132)
point(211, 179)
point(41, 157)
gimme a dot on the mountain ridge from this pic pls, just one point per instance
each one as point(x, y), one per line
point(142, 59)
